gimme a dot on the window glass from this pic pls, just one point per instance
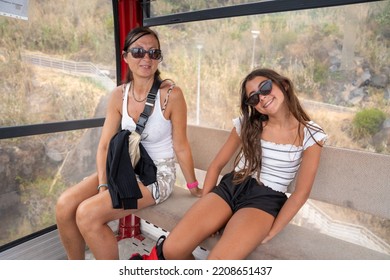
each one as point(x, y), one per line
point(58, 63)
point(162, 8)
point(34, 171)
point(337, 57)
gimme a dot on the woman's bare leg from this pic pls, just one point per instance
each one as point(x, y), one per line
point(66, 208)
point(242, 234)
point(203, 219)
point(92, 217)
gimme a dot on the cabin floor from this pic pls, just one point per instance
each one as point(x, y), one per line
point(144, 243)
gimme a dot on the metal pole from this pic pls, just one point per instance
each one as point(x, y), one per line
point(255, 33)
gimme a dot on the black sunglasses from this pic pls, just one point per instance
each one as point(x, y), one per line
point(265, 89)
point(140, 53)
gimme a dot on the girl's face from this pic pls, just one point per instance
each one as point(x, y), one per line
point(147, 65)
point(268, 95)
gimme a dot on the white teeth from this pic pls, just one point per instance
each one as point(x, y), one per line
point(266, 104)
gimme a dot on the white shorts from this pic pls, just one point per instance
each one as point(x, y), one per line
point(166, 178)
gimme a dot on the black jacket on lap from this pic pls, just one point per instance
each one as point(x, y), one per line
point(121, 176)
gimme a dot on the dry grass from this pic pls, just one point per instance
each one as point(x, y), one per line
point(337, 126)
point(57, 96)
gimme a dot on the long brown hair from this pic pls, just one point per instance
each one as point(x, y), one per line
point(132, 37)
point(253, 121)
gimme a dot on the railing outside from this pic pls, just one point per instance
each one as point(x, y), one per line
point(311, 214)
point(69, 66)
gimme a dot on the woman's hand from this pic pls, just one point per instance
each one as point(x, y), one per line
point(196, 192)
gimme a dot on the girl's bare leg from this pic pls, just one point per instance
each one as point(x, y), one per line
point(242, 234)
point(66, 208)
point(92, 217)
point(203, 219)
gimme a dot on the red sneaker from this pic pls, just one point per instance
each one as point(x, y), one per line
point(155, 254)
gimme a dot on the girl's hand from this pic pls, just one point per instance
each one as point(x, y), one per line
point(266, 239)
point(218, 232)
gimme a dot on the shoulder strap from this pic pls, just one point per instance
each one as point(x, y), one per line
point(149, 105)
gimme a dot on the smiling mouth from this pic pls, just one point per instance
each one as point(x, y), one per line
point(268, 103)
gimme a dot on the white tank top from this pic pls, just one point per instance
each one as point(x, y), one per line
point(157, 135)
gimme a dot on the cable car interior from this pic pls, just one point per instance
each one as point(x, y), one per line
point(59, 61)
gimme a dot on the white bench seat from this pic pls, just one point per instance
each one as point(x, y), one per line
point(352, 179)
point(294, 242)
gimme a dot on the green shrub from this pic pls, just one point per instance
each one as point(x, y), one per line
point(330, 28)
point(383, 18)
point(320, 73)
point(367, 122)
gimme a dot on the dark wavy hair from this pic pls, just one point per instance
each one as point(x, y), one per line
point(253, 122)
point(132, 37)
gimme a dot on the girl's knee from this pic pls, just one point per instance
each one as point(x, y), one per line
point(172, 251)
point(168, 250)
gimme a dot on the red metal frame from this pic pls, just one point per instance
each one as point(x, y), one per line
point(129, 17)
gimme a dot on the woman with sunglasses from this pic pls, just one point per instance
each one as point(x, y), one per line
point(277, 141)
point(84, 210)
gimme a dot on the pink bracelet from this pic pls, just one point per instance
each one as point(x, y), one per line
point(192, 185)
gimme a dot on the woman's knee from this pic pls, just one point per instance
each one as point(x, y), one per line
point(69, 201)
point(65, 207)
point(84, 217)
point(90, 216)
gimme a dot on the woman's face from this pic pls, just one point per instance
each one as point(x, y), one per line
point(269, 96)
point(145, 66)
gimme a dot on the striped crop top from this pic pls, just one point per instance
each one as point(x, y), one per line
point(281, 162)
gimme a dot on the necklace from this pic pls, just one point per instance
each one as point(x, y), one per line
point(137, 100)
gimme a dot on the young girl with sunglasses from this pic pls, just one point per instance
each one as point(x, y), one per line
point(84, 210)
point(278, 143)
